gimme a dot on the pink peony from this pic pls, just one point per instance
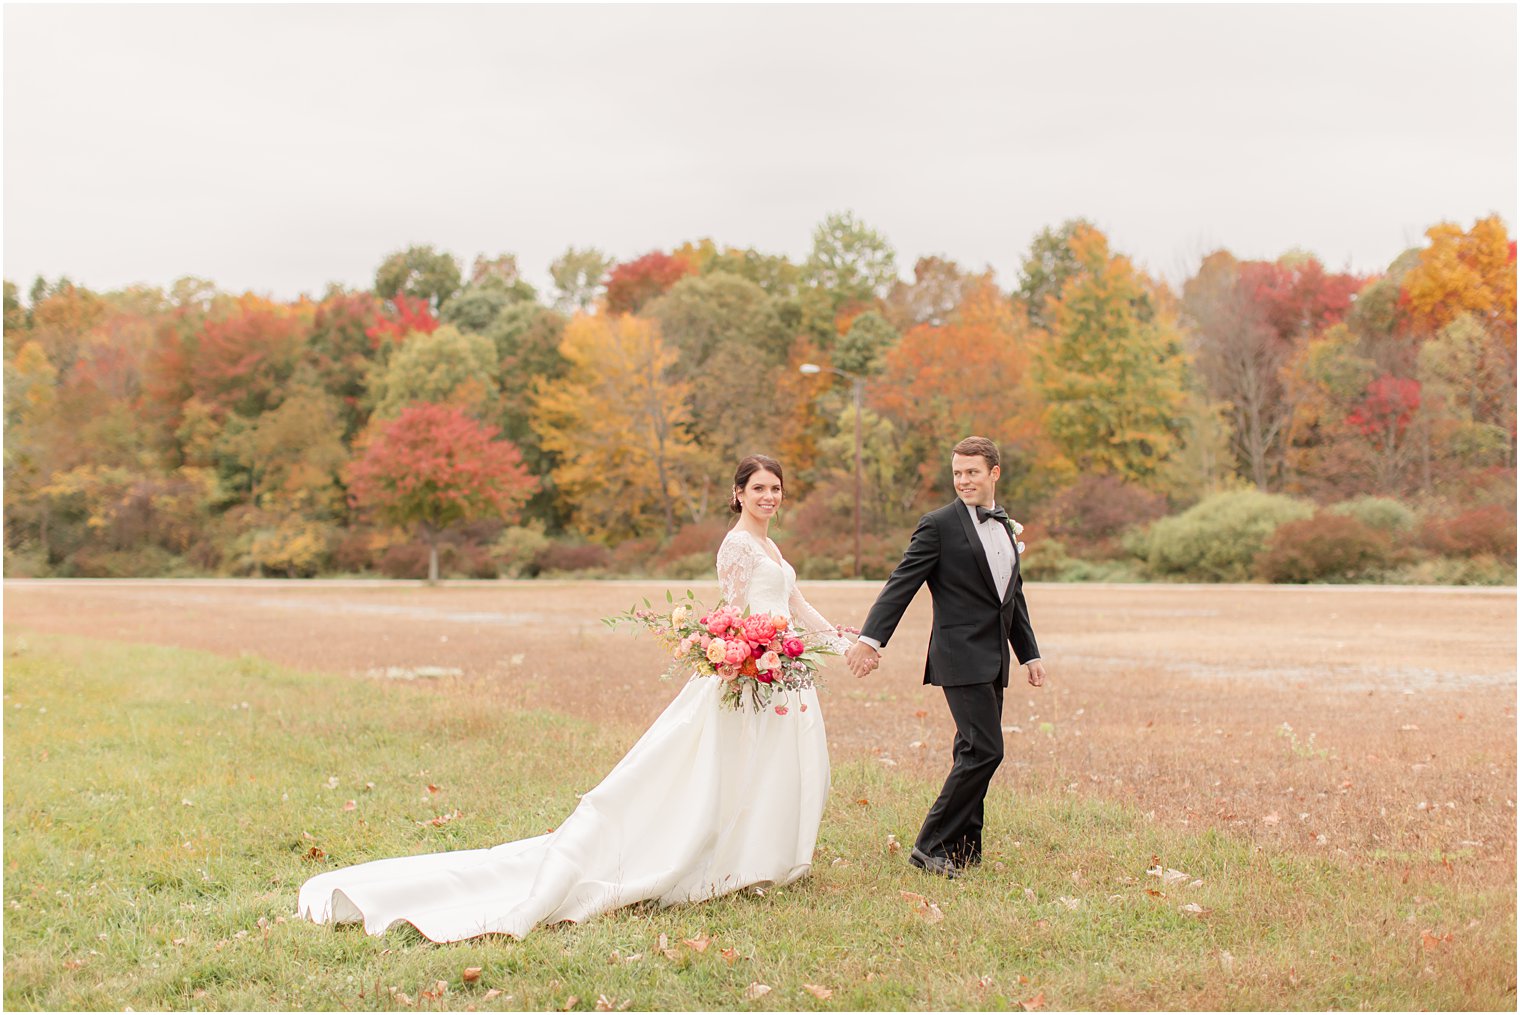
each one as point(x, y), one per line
point(758, 629)
point(717, 651)
point(793, 647)
point(736, 652)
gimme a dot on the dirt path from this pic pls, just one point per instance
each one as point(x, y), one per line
point(1377, 722)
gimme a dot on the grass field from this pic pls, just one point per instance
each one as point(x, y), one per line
point(162, 805)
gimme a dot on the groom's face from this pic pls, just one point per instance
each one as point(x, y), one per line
point(974, 482)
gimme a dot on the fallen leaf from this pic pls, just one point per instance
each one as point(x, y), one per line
point(441, 819)
point(1034, 1003)
point(893, 846)
point(570, 1002)
point(697, 944)
point(1194, 909)
point(471, 974)
point(923, 907)
point(863, 801)
point(431, 788)
point(488, 995)
point(605, 1003)
point(351, 805)
point(1430, 942)
point(755, 991)
point(821, 993)
point(403, 998)
point(729, 954)
point(1155, 893)
point(1069, 902)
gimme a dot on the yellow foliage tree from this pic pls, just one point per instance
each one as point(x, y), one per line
point(617, 424)
point(1464, 273)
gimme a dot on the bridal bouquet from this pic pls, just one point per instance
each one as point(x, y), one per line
point(756, 655)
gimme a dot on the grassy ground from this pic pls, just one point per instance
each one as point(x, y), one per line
point(162, 806)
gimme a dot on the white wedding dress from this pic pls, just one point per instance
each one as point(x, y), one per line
point(710, 800)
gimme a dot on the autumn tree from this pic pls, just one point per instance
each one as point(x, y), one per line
point(420, 272)
point(618, 426)
point(967, 376)
point(1459, 273)
point(1112, 372)
point(341, 352)
point(938, 287)
point(634, 283)
point(1249, 318)
point(401, 316)
point(243, 358)
point(434, 466)
point(721, 326)
point(1052, 260)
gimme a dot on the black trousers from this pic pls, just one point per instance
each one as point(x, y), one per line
point(953, 827)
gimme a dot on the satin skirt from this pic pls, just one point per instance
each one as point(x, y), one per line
point(708, 801)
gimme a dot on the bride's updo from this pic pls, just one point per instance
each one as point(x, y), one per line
point(747, 468)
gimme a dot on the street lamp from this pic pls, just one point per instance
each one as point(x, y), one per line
point(857, 384)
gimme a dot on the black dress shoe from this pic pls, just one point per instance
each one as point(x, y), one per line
point(941, 865)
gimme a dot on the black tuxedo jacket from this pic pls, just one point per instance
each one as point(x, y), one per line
point(973, 629)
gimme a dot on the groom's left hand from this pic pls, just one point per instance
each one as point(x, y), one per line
point(1036, 669)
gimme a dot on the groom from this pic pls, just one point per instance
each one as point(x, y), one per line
point(967, 553)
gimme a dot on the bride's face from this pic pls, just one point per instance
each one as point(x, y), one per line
point(761, 496)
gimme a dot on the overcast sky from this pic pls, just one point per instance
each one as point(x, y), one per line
point(280, 148)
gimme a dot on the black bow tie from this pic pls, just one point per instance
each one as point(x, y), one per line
point(982, 514)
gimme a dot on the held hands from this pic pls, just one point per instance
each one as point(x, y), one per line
point(862, 658)
point(1036, 669)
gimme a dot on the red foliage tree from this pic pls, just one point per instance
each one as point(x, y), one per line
point(243, 358)
point(433, 466)
point(407, 315)
point(634, 283)
point(1298, 298)
point(1388, 406)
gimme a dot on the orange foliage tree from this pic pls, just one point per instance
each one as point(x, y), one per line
point(967, 376)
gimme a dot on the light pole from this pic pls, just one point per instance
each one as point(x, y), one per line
point(857, 384)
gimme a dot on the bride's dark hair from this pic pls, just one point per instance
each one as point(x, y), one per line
point(747, 468)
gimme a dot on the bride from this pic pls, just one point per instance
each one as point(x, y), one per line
point(710, 800)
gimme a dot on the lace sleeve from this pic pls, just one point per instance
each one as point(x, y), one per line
point(804, 615)
point(736, 565)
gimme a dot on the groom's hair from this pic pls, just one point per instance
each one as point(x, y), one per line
point(978, 446)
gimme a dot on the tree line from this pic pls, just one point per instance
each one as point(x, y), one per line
point(465, 422)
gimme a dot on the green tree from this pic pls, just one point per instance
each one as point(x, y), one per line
point(447, 367)
point(851, 261)
point(862, 348)
point(421, 272)
point(578, 277)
